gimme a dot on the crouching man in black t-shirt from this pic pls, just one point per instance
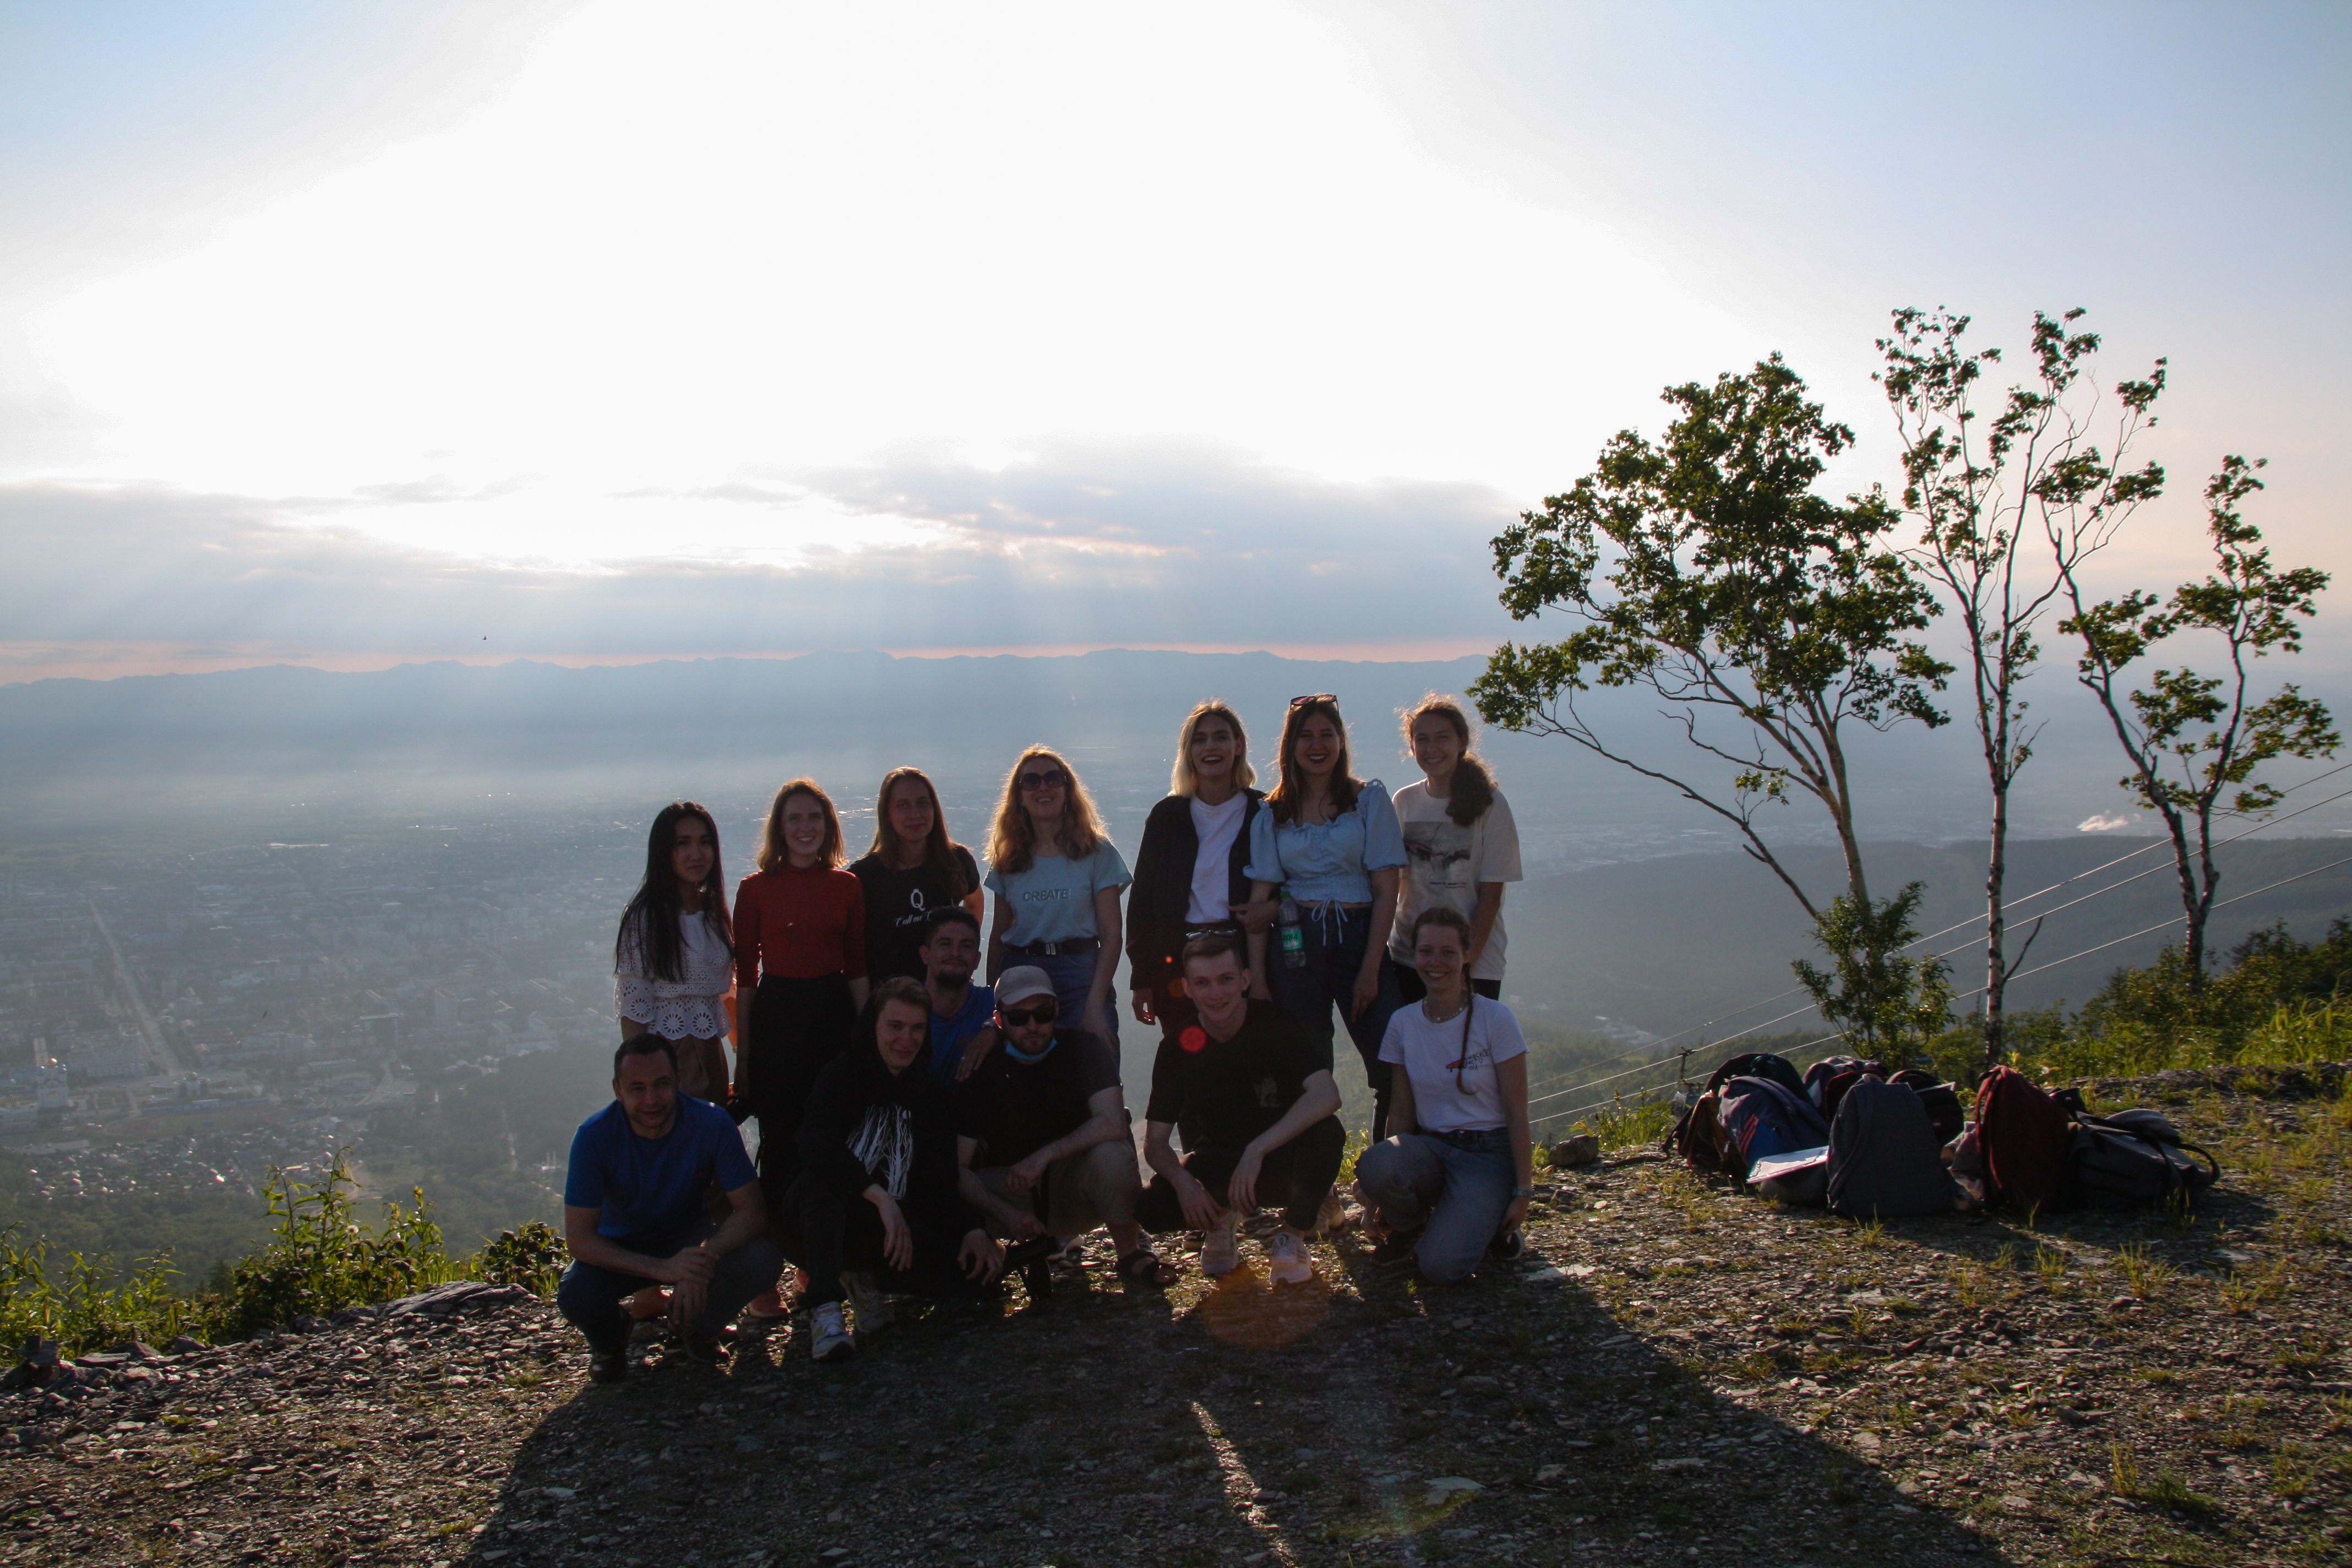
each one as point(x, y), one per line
point(1042, 1133)
point(1259, 1112)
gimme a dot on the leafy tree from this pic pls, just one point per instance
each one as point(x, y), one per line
point(1887, 1004)
point(1988, 496)
point(1705, 569)
point(2193, 740)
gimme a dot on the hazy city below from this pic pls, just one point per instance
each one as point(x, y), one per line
point(248, 919)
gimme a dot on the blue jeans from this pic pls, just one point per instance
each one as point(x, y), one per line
point(1456, 1196)
point(590, 1296)
point(1336, 940)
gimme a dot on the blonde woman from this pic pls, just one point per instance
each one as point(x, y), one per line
point(1460, 844)
point(1190, 876)
point(799, 969)
point(1056, 878)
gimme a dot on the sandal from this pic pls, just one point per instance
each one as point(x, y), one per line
point(1143, 1270)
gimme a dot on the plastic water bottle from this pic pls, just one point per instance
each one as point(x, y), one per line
point(1293, 934)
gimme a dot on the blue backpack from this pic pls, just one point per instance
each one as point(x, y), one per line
point(1761, 1116)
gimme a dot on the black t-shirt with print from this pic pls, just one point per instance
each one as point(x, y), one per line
point(1016, 1108)
point(1229, 1091)
point(899, 902)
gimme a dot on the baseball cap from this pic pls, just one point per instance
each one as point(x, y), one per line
point(1015, 986)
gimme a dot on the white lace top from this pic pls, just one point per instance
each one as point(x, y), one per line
point(692, 1007)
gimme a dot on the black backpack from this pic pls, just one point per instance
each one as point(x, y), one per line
point(1694, 1135)
point(2136, 1157)
point(1884, 1157)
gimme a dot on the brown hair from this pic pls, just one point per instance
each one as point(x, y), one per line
point(1288, 785)
point(1444, 915)
point(1012, 842)
point(1181, 778)
point(1473, 788)
point(1212, 944)
point(939, 849)
point(773, 856)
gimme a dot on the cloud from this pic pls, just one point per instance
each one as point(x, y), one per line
point(2103, 823)
point(1099, 547)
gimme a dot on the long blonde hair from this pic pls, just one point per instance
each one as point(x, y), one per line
point(773, 856)
point(1182, 779)
point(1012, 842)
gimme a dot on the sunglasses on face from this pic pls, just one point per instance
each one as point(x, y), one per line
point(1043, 1012)
point(1314, 697)
point(1053, 778)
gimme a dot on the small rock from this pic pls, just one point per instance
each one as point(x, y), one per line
point(2015, 1503)
point(1693, 1463)
point(1443, 1489)
point(1866, 1442)
point(1550, 1473)
point(1584, 1149)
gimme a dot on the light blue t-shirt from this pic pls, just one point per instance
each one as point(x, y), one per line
point(1054, 900)
point(1329, 862)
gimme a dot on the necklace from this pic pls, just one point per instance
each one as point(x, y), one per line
point(1435, 1018)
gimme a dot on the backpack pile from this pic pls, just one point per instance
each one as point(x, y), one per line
point(1885, 1160)
point(2039, 1150)
point(1698, 1134)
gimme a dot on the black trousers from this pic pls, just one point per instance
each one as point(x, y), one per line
point(797, 1027)
point(1293, 1178)
point(824, 1228)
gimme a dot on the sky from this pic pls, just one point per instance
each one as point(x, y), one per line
point(609, 330)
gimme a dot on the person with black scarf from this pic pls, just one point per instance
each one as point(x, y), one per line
point(876, 1207)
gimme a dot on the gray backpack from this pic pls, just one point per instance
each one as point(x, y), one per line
point(2136, 1157)
point(1884, 1157)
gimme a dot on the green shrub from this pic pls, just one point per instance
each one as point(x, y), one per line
point(74, 1301)
point(533, 1255)
point(1624, 1122)
point(323, 1260)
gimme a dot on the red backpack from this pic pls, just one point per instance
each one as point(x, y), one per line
point(2024, 1134)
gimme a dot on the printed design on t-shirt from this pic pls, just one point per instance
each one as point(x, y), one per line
point(1439, 851)
point(1193, 1039)
point(1045, 896)
point(884, 1144)
point(1269, 1095)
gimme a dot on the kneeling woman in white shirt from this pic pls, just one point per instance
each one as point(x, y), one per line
point(1453, 1179)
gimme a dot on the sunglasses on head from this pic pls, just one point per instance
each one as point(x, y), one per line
point(1314, 697)
point(1044, 1012)
point(1052, 778)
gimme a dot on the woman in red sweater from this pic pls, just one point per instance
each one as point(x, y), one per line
point(800, 970)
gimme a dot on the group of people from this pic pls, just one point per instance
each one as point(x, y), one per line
point(933, 1110)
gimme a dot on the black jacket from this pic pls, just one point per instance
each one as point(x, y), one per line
point(868, 1126)
point(1162, 890)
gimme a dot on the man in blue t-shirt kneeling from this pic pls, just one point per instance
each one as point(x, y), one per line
point(634, 1214)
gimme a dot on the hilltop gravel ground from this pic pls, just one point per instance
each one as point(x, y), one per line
point(1677, 1373)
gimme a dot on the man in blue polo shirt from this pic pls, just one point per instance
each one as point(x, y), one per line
point(634, 1214)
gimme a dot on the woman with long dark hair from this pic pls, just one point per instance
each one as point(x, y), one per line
point(1056, 876)
point(676, 949)
point(1190, 876)
point(799, 969)
point(1328, 841)
point(1460, 844)
point(913, 869)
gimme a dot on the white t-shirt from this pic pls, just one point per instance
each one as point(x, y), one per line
point(1445, 863)
point(1217, 826)
point(1427, 1053)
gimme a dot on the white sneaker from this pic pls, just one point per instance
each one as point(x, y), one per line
point(1220, 1253)
point(867, 1304)
point(828, 1339)
point(1286, 1260)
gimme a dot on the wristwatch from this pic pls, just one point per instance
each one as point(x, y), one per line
point(1523, 1192)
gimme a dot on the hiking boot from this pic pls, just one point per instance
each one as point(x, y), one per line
point(1335, 1217)
point(828, 1339)
point(608, 1366)
point(767, 1307)
point(1286, 1260)
point(1507, 1246)
point(1220, 1253)
point(1396, 1249)
point(867, 1304)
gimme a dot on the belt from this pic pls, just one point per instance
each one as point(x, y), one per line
point(1328, 904)
point(1473, 1140)
point(1055, 948)
point(1214, 928)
